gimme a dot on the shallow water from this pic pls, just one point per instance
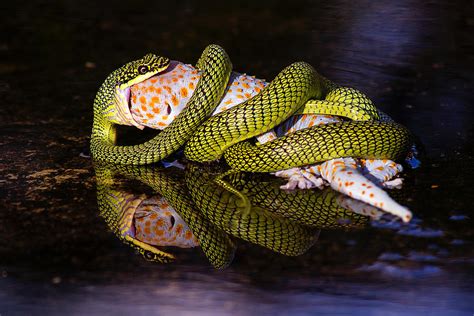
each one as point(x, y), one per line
point(57, 256)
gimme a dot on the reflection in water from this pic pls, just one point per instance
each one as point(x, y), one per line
point(191, 209)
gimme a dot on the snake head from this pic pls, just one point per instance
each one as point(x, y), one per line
point(112, 99)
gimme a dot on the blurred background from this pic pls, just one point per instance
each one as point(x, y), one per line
point(413, 58)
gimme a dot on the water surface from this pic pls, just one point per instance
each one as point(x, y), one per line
point(57, 256)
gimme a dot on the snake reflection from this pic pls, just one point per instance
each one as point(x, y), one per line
point(189, 209)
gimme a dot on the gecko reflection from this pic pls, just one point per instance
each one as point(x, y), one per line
point(189, 209)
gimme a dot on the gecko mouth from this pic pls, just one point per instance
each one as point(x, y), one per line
point(124, 107)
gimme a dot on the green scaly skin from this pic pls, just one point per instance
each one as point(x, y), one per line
point(277, 220)
point(216, 245)
point(365, 139)
point(258, 225)
point(297, 89)
point(109, 109)
point(320, 208)
point(286, 95)
point(114, 204)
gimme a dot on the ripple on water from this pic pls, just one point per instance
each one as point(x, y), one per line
point(401, 272)
point(413, 228)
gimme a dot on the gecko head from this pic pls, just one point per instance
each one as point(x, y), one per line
point(157, 224)
point(113, 98)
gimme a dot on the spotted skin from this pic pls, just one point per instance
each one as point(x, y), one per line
point(114, 202)
point(112, 96)
point(344, 176)
point(157, 223)
point(157, 101)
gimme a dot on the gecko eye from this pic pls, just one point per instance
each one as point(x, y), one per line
point(142, 70)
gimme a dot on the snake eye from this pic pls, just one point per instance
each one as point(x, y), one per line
point(142, 70)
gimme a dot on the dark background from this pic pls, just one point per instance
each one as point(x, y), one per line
point(413, 58)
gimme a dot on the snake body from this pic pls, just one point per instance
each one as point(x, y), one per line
point(216, 68)
point(287, 94)
point(115, 205)
point(367, 139)
point(258, 225)
point(284, 222)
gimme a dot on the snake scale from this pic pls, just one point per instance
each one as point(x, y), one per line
point(287, 223)
point(295, 90)
point(234, 207)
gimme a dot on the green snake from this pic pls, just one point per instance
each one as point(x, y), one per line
point(285, 223)
point(115, 202)
point(297, 89)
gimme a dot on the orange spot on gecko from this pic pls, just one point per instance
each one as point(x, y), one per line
point(156, 110)
point(246, 85)
point(363, 192)
point(228, 101)
point(174, 100)
point(371, 195)
point(142, 99)
point(153, 80)
point(191, 86)
point(167, 89)
point(248, 95)
point(188, 235)
point(144, 107)
point(184, 92)
point(155, 99)
point(240, 96)
point(149, 115)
